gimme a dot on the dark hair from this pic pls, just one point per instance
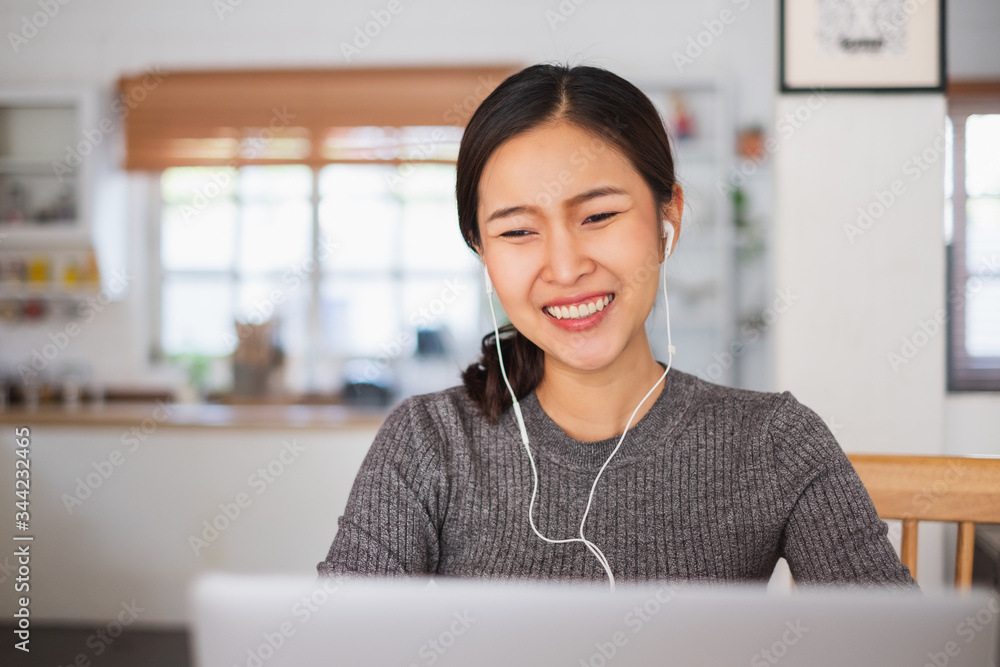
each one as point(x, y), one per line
point(592, 99)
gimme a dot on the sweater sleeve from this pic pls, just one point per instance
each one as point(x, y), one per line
point(832, 535)
point(389, 526)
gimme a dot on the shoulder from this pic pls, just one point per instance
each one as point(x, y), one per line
point(784, 428)
point(732, 403)
point(441, 416)
point(420, 434)
point(439, 407)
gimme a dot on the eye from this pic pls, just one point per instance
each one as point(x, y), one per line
point(597, 217)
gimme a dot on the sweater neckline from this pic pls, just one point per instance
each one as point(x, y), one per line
point(548, 440)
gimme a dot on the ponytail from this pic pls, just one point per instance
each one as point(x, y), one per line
point(525, 366)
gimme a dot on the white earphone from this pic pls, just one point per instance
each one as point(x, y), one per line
point(668, 233)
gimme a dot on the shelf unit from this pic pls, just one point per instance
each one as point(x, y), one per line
point(701, 273)
point(58, 240)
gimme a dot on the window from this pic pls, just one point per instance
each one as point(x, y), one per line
point(972, 231)
point(352, 259)
point(323, 197)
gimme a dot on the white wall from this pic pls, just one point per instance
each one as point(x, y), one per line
point(858, 292)
point(973, 48)
point(860, 289)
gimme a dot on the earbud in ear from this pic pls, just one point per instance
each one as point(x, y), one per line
point(668, 233)
point(486, 277)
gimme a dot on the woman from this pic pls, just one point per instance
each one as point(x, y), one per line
point(609, 464)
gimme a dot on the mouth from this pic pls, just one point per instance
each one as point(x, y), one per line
point(581, 310)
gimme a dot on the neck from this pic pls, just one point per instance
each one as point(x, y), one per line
point(596, 405)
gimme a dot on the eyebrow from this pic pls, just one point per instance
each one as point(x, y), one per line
point(602, 191)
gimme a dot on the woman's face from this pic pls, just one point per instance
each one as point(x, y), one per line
point(565, 220)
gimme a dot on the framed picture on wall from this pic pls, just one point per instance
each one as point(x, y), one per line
point(862, 45)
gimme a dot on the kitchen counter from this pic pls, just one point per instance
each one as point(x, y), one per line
point(135, 500)
point(198, 415)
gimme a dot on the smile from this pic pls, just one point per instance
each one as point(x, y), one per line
point(580, 311)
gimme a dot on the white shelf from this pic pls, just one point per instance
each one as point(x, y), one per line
point(48, 292)
point(44, 236)
point(38, 125)
point(34, 167)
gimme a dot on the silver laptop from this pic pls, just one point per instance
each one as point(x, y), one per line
point(272, 621)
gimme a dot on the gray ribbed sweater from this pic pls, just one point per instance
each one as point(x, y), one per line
point(713, 483)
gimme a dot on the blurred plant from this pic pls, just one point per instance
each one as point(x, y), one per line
point(749, 237)
point(197, 366)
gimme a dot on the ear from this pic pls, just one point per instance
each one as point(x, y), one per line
point(671, 214)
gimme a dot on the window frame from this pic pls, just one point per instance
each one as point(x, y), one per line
point(965, 99)
point(314, 350)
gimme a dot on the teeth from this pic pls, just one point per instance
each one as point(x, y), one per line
point(577, 312)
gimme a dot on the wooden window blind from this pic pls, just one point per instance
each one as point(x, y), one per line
point(304, 116)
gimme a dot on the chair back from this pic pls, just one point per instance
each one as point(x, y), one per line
point(960, 489)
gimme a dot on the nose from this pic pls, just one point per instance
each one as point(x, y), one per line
point(567, 257)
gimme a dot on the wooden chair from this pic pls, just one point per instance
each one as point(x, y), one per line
point(962, 489)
